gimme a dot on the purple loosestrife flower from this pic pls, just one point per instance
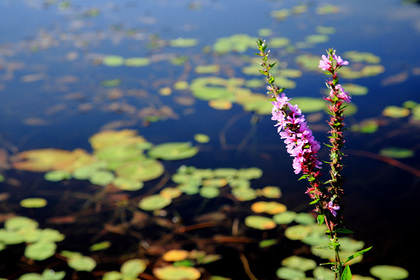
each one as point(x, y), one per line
point(292, 127)
point(333, 208)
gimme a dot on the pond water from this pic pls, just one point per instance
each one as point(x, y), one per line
point(70, 69)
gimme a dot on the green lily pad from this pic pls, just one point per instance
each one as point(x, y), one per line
point(244, 194)
point(100, 246)
point(265, 32)
point(113, 60)
point(132, 268)
point(367, 126)
point(317, 38)
point(57, 175)
point(269, 207)
point(49, 274)
point(279, 42)
point(31, 276)
point(113, 275)
point(388, 272)
point(309, 62)
point(309, 104)
point(289, 273)
point(34, 202)
point(396, 152)
point(299, 263)
point(10, 237)
point(81, 263)
point(207, 69)
point(144, 170)
point(323, 273)
point(250, 173)
point(305, 219)
point(176, 273)
point(126, 184)
point(102, 178)
point(173, 151)
point(19, 222)
point(395, 112)
point(154, 202)
point(236, 43)
point(325, 30)
point(201, 138)
point(267, 243)
point(183, 42)
point(284, 218)
point(270, 192)
point(209, 192)
point(297, 232)
point(279, 14)
point(354, 89)
point(137, 61)
point(40, 251)
point(356, 56)
point(260, 222)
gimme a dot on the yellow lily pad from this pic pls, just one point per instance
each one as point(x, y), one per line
point(177, 273)
point(175, 255)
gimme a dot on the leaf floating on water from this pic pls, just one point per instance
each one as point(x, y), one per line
point(270, 207)
point(81, 263)
point(309, 104)
point(183, 42)
point(395, 112)
point(173, 151)
point(299, 263)
point(154, 202)
point(396, 153)
point(260, 222)
point(201, 138)
point(137, 61)
point(220, 104)
point(132, 268)
point(175, 255)
point(354, 89)
point(395, 79)
point(389, 272)
point(176, 273)
point(207, 69)
point(113, 60)
point(356, 56)
point(34, 202)
point(40, 251)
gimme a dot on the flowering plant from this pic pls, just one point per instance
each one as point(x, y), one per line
point(303, 148)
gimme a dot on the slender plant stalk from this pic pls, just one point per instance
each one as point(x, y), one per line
point(302, 146)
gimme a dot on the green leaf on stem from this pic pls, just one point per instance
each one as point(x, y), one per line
point(346, 273)
point(357, 254)
point(343, 230)
point(320, 219)
point(314, 202)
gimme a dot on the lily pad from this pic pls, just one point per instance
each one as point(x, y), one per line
point(220, 104)
point(113, 60)
point(299, 263)
point(126, 184)
point(144, 170)
point(284, 218)
point(154, 202)
point(57, 175)
point(40, 251)
point(289, 273)
point(132, 268)
point(207, 69)
point(137, 61)
point(388, 272)
point(34, 202)
point(270, 207)
point(397, 152)
point(201, 138)
point(244, 194)
point(354, 89)
point(177, 273)
point(278, 42)
point(260, 222)
point(81, 263)
point(395, 112)
point(102, 178)
point(297, 232)
point(209, 192)
point(175, 255)
point(270, 192)
point(309, 104)
point(19, 222)
point(183, 42)
point(173, 151)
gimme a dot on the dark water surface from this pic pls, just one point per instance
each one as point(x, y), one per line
point(52, 96)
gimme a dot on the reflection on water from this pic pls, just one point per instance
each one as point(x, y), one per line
point(172, 70)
